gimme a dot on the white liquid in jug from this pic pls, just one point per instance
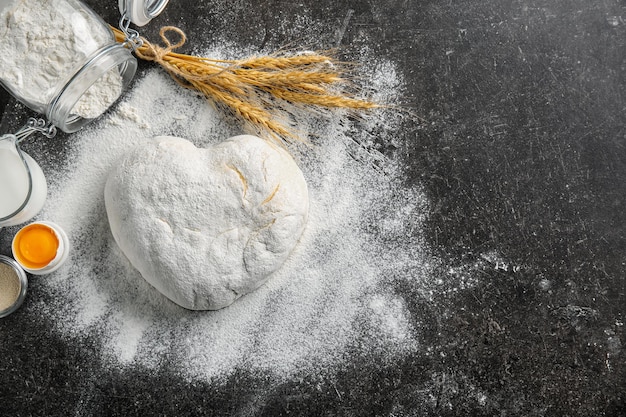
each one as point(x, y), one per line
point(13, 182)
point(14, 186)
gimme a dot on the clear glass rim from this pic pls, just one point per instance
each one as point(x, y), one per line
point(28, 172)
point(61, 106)
point(154, 8)
point(140, 12)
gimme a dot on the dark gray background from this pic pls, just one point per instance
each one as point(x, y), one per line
point(520, 148)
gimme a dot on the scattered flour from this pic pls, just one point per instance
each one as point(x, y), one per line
point(43, 43)
point(332, 299)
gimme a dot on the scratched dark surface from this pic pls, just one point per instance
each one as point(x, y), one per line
point(520, 149)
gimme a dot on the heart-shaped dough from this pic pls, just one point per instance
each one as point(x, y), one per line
point(206, 226)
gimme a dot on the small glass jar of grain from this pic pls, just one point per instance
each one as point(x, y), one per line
point(13, 285)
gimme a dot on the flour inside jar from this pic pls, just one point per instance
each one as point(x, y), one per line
point(44, 43)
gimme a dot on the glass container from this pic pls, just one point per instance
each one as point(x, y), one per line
point(21, 282)
point(140, 12)
point(23, 185)
point(61, 59)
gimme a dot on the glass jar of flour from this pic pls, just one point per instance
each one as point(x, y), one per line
point(60, 59)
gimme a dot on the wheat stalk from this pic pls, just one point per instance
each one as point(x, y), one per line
point(254, 88)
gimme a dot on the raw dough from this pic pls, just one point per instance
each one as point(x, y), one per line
point(206, 226)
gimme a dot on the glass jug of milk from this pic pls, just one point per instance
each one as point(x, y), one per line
point(22, 184)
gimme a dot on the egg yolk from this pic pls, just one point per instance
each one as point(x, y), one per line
point(36, 246)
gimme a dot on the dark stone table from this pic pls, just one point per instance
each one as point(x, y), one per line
point(518, 141)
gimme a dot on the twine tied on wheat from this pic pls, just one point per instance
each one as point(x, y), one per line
point(255, 89)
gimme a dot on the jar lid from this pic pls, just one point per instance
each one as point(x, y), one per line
point(140, 12)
